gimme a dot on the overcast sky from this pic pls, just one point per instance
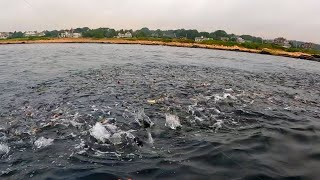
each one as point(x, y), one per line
point(293, 19)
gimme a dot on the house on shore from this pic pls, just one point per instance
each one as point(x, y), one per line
point(282, 42)
point(70, 34)
point(76, 35)
point(125, 35)
point(4, 35)
point(240, 40)
point(202, 38)
point(33, 34)
point(307, 45)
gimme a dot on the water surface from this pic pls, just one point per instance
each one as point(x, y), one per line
point(242, 116)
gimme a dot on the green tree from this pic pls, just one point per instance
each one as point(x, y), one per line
point(144, 32)
point(251, 38)
point(111, 33)
point(95, 33)
point(16, 34)
point(53, 33)
point(81, 30)
point(219, 34)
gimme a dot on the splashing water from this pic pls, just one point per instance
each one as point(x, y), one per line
point(4, 149)
point(172, 121)
point(142, 119)
point(43, 142)
point(99, 132)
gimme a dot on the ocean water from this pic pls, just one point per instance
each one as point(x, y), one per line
point(98, 111)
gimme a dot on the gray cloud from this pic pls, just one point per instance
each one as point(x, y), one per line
point(294, 19)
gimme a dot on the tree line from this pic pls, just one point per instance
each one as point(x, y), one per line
point(147, 33)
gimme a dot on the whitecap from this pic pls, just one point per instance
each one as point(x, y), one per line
point(172, 121)
point(43, 142)
point(229, 90)
point(99, 132)
point(4, 149)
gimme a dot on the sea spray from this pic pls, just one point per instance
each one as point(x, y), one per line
point(150, 139)
point(172, 121)
point(142, 119)
point(99, 132)
point(43, 142)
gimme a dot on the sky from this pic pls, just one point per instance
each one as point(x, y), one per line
point(292, 19)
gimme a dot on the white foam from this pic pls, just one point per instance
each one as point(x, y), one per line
point(116, 138)
point(218, 98)
point(129, 134)
point(80, 145)
point(99, 132)
point(150, 139)
point(76, 124)
point(141, 118)
point(228, 90)
point(227, 95)
point(287, 108)
point(217, 125)
point(43, 142)
point(4, 149)
point(215, 110)
point(199, 119)
point(112, 128)
point(94, 108)
point(172, 121)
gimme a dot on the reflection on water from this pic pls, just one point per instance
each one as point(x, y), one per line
point(90, 111)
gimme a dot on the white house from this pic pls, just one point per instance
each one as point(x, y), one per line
point(4, 35)
point(282, 42)
point(126, 35)
point(65, 34)
point(30, 33)
point(240, 40)
point(76, 35)
point(33, 34)
point(200, 39)
point(70, 34)
point(41, 34)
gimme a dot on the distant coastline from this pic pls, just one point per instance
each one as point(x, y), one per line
point(162, 42)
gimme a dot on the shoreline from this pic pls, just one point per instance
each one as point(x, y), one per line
point(273, 52)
